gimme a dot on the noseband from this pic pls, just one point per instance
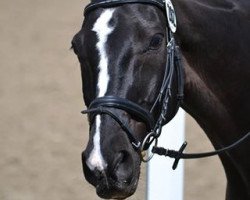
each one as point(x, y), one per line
point(102, 105)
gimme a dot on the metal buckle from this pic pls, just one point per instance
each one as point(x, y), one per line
point(171, 16)
point(147, 155)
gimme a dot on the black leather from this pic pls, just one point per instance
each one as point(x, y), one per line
point(110, 3)
point(130, 107)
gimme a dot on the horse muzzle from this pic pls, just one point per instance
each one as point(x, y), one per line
point(118, 181)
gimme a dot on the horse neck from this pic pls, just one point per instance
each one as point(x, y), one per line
point(216, 82)
point(214, 65)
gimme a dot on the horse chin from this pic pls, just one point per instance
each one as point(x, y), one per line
point(113, 188)
point(116, 190)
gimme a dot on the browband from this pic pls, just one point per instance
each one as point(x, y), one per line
point(109, 3)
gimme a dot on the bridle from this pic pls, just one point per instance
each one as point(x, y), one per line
point(102, 105)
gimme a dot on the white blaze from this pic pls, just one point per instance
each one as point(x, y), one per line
point(102, 29)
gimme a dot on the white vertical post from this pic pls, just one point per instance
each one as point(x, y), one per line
point(163, 183)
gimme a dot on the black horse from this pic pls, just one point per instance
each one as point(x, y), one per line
point(122, 51)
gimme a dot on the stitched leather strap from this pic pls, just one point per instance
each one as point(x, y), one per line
point(124, 104)
point(110, 3)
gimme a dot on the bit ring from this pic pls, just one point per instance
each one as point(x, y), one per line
point(147, 155)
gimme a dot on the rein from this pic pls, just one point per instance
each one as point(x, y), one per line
point(101, 105)
point(177, 155)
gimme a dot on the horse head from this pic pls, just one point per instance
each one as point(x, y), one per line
point(122, 52)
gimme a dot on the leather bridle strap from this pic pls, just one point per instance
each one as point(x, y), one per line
point(102, 110)
point(100, 106)
point(126, 105)
point(177, 155)
point(110, 3)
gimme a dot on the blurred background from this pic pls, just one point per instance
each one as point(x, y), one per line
point(42, 132)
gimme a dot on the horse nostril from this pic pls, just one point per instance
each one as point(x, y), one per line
point(120, 158)
point(123, 167)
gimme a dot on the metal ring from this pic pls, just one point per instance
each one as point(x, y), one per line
point(145, 158)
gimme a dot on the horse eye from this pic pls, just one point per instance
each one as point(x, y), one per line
point(156, 41)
